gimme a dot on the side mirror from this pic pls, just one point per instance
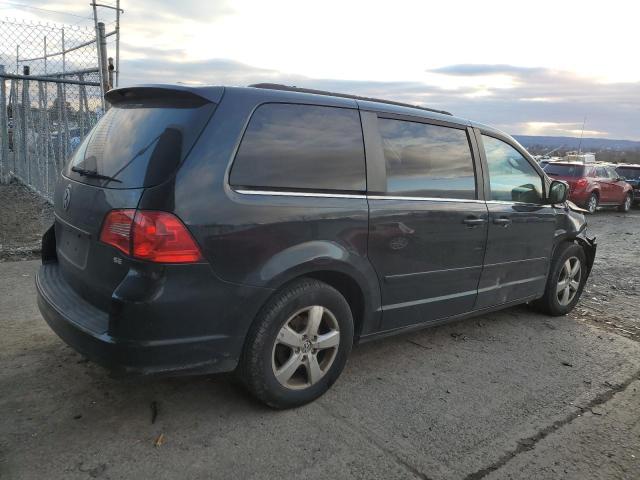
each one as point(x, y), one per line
point(558, 192)
point(621, 179)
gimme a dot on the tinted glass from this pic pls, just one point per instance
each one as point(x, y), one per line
point(140, 143)
point(512, 178)
point(301, 147)
point(629, 172)
point(427, 160)
point(564, 170)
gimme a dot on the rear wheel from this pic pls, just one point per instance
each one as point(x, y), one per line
point(565, 282)
point(625, 206)
point(592, 203)
point(298, 344)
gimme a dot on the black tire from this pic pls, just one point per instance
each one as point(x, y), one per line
point(592, 207)
point(550, 303)
point(625, 206)
point(256, 364)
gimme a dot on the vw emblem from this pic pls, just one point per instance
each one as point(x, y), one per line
point(66, 197)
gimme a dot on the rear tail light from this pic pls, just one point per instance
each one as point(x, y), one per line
point(582, 183)
point(116, 229)
point(149, 235)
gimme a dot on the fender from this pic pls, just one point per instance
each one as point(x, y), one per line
point(572, 227)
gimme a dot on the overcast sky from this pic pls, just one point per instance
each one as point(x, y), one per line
point(536, 67)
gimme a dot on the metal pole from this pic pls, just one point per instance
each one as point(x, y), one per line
point(17, 57)
point(45, 54)
point(4, 131)
point(103, 57)
point(25, 112)
point(117, 43)
point(99, 50)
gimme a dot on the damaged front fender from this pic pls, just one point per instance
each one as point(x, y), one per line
point(589, 246)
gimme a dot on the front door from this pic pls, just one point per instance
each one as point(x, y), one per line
point(521, 227)
point(427, 229)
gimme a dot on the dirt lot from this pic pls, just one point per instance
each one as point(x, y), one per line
point(24, 217)
point(508, 395)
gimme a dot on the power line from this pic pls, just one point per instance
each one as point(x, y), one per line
point(22, 5)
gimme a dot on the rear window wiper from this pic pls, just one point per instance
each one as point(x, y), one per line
point(93, 174)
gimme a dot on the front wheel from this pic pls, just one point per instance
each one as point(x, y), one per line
point(625, 206)
point(298, 344)
point(566, 280)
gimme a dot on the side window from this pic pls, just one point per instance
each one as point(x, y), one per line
point(425, 160)
point(301, 147)
point(601, 172)
point(511, 176)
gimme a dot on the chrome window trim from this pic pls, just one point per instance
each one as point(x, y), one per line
point(507, 202)
point(428, 199)
point(279, 193)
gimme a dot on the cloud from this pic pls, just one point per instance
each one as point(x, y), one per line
point(473, 69)
point(543, 101)
point(169, 42)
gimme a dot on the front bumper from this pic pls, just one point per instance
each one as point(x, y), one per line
point(87, 329)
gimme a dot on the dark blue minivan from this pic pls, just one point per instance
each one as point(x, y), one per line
point(265, 230)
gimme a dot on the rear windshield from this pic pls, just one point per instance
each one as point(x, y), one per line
point(564, 170)
point(139, 143)
point(629, 173)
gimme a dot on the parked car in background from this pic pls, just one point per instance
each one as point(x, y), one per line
point(593, 185)
point(631, 174)
point(266, 230)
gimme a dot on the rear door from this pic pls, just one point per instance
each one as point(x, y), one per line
point(428, 223)
point(521, 228)
point(617, 187)
point(607, 194)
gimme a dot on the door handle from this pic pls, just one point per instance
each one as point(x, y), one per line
point(473, 221)
point(503, 221)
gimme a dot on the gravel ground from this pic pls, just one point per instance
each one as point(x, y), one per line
point(509, 395)
point(24, 217)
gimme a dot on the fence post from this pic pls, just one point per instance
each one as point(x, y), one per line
point(26, 103)
point(4, 130)
point(102, 45)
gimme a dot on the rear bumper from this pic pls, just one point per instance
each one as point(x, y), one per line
point(87, 329)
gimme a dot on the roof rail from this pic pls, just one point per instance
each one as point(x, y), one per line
point(277, 86)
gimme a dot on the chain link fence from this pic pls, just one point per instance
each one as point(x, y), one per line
point(50, 97)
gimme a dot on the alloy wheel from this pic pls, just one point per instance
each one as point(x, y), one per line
point(305, 347)
point(627, 203)
point(569, 281)
point(593, 204)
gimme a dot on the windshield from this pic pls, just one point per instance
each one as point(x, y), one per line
point(629, 173)
point(564, 170)
point(139, 143)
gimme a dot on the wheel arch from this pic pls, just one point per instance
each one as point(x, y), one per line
point(363, 298)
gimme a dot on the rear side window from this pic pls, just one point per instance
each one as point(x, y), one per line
point(302, 147)
point(511, 177)
point(426, 160)
point(601, 172)
point(565, 170)
point(140, 142)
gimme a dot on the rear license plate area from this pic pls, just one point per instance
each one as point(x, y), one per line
point(73, 244)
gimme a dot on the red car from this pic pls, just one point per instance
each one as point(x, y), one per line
point(593, 185)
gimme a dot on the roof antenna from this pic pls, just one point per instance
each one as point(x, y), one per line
point(581, 134)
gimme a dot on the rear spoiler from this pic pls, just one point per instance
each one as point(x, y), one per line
point(178, 93)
